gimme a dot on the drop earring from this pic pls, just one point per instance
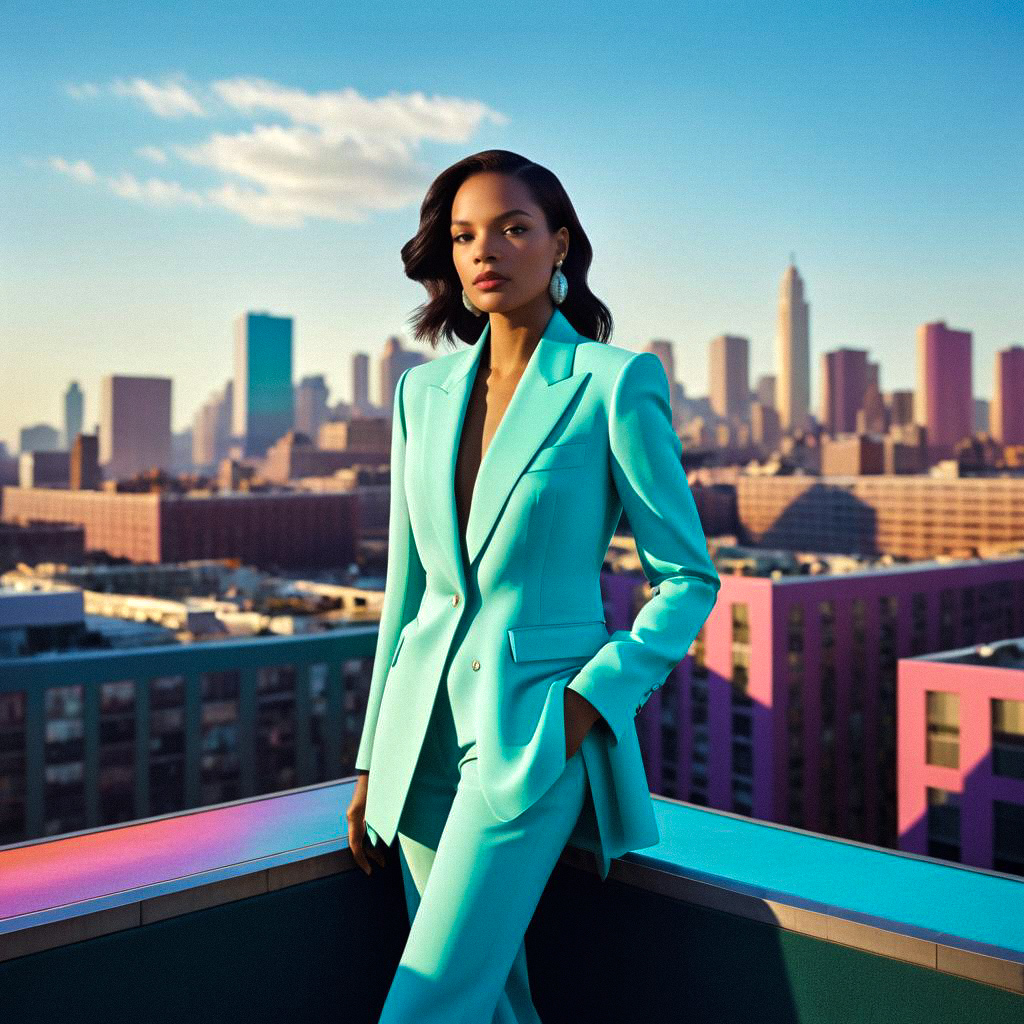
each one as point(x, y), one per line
point(468, 303)
point(559, 286)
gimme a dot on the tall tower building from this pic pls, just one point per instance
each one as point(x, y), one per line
point(394, 360)
point(135, 425)
point(85, 467)
point(662, 348)
point(1006, 413)
point(361, 381)
point(844, 385)
point(793, 352)
point(263, 401)
point(944, 399)
point(764, 389)
point(211, 429)
point(729, 375)
point(74, 413)
point(311, 405)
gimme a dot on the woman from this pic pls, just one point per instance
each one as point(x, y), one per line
point(499, 723)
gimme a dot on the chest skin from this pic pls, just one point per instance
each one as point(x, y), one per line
point(485, 409)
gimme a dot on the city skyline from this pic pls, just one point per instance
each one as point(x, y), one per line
point(142, 213)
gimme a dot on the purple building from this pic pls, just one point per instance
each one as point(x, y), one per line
point(786, 707)
point(944, 401)
point(844, 384)
point(135, 425)
point(1007, 411)
point(961, 755)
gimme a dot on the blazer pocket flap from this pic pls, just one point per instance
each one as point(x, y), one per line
point(559, 456)
point(560, 640)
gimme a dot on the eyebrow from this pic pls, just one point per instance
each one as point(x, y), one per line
point(501, 216)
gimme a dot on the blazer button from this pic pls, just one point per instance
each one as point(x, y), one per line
point(476, 665)
point(455, 600)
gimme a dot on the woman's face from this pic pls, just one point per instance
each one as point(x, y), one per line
point(497, 227)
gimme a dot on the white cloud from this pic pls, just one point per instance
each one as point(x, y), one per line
point(154, 153)
point(169, 99)
point(83, 91)
point(329, 155)
point(80, 170)
point(155, 191)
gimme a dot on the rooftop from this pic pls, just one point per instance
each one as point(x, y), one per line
point(258, 902)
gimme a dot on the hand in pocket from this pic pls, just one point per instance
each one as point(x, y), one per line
point(580, 715)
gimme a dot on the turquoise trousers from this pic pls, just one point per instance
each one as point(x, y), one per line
point(472, 883)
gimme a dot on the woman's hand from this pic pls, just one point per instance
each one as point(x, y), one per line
point(579, 716)
point(356, 817)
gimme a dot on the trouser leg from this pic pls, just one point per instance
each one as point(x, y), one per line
point(465, 960)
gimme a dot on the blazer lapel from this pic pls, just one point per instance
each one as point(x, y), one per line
point(542, 395)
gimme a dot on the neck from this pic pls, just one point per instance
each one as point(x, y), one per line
point(514, 335)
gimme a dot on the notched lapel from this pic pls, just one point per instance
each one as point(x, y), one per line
point(542, 395)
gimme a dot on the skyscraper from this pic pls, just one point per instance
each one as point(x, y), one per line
point(394, 360)
point(211, 429)
point(263, 405)
point(1007, 412)
point(361, 381)
point(311, 405)
point(844, 386)
point(793, 352)
point(74, 413)
point(729, 375)
point(943, 402)
point(135, 424)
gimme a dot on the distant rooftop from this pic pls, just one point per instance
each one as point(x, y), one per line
point(1004, 654)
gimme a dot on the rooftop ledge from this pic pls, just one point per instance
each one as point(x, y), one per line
point(955, 922)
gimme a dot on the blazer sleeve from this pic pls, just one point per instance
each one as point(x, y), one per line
point(404, 583)
point(646, 467)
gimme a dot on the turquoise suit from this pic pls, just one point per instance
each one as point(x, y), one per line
point(464, 736)
point(517, 615)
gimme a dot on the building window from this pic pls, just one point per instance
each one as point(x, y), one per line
point(794, 714)
point(64, 760)
point(166, 744)
point(943, 823)
point(919, 624)
point(117, 752)
point(12, 767)
point(219, 750)
point(275, 728)
point(1008, 837)
point(943, 728)
point(741, 655)
point(1008, 738)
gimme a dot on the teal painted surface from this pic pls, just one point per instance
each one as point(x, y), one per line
point(697, 842)
point(921, 892)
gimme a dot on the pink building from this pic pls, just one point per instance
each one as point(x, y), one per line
point(944, 400)
point(961, 755)
point(135, 425)
point(1006, 414)
point(786, 707)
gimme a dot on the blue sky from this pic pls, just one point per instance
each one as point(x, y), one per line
point(165, 167)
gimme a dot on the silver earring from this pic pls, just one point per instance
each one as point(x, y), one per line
point(468, 303)
point(559, 286)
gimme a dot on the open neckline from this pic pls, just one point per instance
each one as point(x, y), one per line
point(463, 530)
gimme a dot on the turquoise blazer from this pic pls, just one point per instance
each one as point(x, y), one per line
point(587, 433)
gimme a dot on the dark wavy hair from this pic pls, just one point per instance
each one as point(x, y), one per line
point(428, 254)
